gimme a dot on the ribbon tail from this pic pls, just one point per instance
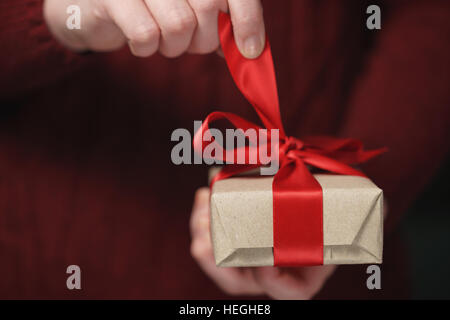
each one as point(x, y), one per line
point(255, 78)
point(330, 165)
point(346, 150)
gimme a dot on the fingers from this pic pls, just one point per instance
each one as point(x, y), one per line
point(137, 24)
point(205, 38)
point(248, 26)
point(170, 26)
point(98, 31)
point(279, 284)
point(292, 283)
point(177, 23)
point(199, 222)
point(231, 280)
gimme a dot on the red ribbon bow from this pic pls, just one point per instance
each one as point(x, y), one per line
point(297, 196)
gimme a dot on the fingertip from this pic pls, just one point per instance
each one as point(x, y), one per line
point(248, 26)
point(201, 249)
point(202, 195)
point(142, 50)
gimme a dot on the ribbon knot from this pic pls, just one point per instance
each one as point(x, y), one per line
point(288, 148)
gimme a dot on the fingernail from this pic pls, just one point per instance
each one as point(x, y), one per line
point(142, 50)
point(253, 46)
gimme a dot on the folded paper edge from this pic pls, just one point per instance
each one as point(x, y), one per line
point(373, 209)
point(226, 245)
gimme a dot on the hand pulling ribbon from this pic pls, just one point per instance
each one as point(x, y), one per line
point(297, 196)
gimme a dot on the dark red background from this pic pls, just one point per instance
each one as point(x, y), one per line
point(85, 170)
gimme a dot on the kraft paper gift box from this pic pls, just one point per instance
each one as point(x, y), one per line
point(242, 206)
point(242, 220)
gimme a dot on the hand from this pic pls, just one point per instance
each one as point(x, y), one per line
point(278, 283)
point(171, 27)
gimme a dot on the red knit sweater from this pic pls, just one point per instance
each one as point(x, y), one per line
point(85, 171)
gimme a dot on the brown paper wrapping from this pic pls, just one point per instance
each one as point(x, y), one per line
point(242, 221)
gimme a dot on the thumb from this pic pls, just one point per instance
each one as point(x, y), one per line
point(248, 26)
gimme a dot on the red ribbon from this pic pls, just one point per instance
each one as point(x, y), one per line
point(297, 196)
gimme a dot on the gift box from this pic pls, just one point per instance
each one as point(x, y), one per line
point(294, 218)
point(242, 220)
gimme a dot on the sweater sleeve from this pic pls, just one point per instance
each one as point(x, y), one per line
point(402, 101)
point(29, 57)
